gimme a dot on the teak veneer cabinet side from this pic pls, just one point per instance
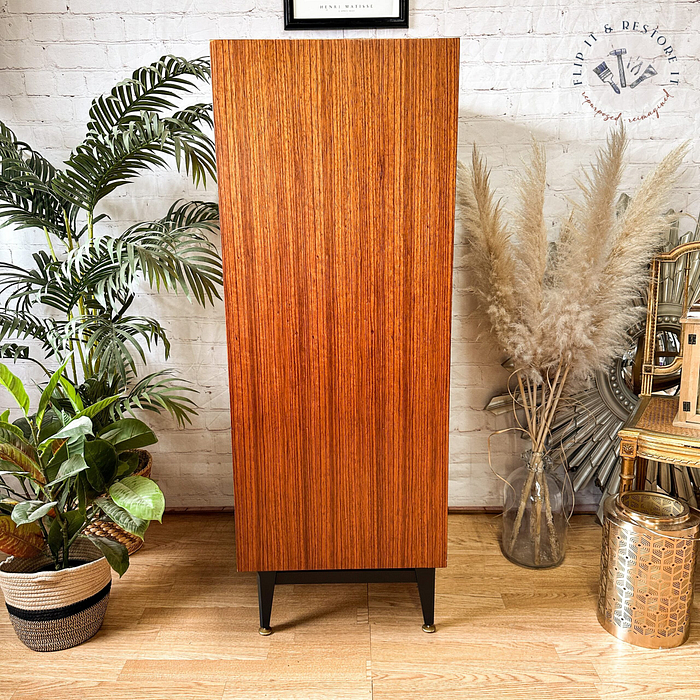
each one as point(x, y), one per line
point(336, 163)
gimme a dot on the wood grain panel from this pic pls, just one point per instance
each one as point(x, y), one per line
point(336, 176)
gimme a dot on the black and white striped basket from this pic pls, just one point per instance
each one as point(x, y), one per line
point(53, 610)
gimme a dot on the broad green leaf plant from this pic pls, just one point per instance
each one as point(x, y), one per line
point(86, 275)
point(59, 473)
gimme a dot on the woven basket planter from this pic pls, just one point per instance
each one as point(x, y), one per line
point(106, 528)
point(52, 610)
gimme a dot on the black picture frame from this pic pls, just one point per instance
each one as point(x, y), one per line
point(291, 22)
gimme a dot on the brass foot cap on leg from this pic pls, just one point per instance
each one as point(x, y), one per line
point(265, 631)
point(428, 628)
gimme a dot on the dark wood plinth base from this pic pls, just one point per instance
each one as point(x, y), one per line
point(425, 578)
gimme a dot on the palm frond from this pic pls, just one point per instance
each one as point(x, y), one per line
point(114, 343)
point(159, 391)
point(13, 351)
point(21, 325)
point(199, 154)
point(45, 284)
point(193, 214)
point(27, 199)
point(153, 88)
point(172, 253)
point(155, 392)
point(104, 162)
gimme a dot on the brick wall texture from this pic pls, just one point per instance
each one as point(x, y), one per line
point(517, 65)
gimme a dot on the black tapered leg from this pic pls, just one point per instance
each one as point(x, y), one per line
point(266, 592)
point(426, 590)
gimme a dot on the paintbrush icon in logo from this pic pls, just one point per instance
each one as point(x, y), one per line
point(605, 74)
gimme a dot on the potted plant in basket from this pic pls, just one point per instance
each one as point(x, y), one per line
point(75, 301)
point(559, 311)
point(58, 474)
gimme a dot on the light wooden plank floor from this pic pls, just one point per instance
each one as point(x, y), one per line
point(183, 625)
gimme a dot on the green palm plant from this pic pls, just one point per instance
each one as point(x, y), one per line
point(86, 275)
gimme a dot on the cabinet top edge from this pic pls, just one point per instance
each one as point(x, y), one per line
point(412, 40)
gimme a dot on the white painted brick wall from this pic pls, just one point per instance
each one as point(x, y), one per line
point(516, 62)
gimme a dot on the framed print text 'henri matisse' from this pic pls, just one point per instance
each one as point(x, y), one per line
point(345, 14)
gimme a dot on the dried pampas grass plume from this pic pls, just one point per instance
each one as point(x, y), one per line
point(572, 308)
point(635, 236)
point(491, 263)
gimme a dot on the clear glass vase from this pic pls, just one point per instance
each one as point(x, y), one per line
point(536, 507)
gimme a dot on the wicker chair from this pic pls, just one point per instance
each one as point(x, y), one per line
point(650, 434)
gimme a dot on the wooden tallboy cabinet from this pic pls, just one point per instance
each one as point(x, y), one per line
point(336, 162)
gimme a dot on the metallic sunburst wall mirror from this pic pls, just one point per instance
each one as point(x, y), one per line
point(586, 428)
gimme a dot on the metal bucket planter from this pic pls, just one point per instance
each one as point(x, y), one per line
point(52, 610)
point(647, 569)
